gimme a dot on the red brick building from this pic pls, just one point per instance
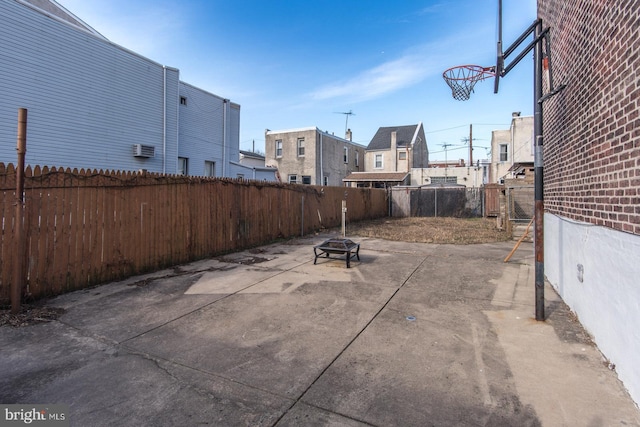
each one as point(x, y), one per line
point(592, 172)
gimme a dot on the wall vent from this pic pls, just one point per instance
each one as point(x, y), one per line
point(140, 150)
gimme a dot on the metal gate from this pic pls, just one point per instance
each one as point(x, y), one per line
point(520, 203)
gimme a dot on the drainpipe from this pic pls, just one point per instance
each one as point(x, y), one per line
point(164, 119)
point(321, 164)
point(177, 104)
point(225, 105)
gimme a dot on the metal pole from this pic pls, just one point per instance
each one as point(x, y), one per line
point(471, 145)
point(21, 147)
point(539, 180)
point(344, 218)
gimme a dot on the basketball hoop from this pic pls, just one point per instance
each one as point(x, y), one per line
point(463, 78)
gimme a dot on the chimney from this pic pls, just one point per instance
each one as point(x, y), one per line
point(348, 135)
point(393, 141)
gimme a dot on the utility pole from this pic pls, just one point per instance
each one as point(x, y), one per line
point(445, 145)
point(470, 141)
point(470, 145)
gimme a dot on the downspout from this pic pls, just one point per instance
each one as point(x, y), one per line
point(177, 100)
point(225, 105)
point(164, 119)
point(321, 164)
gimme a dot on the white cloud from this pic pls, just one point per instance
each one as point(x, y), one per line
point(385, 78)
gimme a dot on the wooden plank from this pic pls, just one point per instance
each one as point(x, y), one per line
point(48, 184)
point(118, 244)
point(65, 230)
point(109, 256)
point(135, 230)
point(128, 224)
point(84, 254)
point(36, 230)
point(56, 195)
point(6, 247)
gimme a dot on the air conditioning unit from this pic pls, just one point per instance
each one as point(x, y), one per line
point(140, 150)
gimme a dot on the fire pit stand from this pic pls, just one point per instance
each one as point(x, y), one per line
point(344, 247)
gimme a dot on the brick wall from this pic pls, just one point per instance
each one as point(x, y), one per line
point(592, 128)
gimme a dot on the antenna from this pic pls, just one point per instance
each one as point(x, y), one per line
point(347, 114)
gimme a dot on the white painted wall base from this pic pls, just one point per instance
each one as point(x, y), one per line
point(596, 271)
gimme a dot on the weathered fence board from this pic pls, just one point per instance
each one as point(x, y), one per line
point(88, 227)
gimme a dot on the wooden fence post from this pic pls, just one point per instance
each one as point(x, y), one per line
point(17, 284)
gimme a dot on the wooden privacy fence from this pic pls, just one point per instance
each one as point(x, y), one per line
point(84, 228)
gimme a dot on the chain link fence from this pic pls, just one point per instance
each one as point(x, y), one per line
point(520, 203)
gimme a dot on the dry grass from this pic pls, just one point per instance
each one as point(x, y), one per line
point(459, 231)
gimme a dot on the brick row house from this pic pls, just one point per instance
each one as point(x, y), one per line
point(592, 173)
point(311, 156)
point(390, 157)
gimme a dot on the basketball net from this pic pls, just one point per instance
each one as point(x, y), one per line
point(463, 78)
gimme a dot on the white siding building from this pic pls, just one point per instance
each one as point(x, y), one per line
point(91, 102)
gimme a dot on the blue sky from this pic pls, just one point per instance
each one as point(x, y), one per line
point(292, 64)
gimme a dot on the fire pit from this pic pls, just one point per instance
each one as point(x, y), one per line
point(338, 246)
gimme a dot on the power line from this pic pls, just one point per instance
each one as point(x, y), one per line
point(466, 126)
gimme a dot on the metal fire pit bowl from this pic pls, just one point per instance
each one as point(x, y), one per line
point(337, 246)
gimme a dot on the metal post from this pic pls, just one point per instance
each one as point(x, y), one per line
point(539, 180)
point(21, 147)
point(344, 218)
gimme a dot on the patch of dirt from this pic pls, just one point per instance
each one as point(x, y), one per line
point(30, 315)
point(458, 231)
point(243, 261)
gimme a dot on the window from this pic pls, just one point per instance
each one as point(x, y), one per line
point(293, 179)
point(325, 181)
point(504, 154)
point(378, 162)
point(209, 168)
point(183, 100)
point(183, 166)
point(402, 155)
point(300, 147)
point(278, 148)
point(357, 158)
point(346, 154)
point(306, 179)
